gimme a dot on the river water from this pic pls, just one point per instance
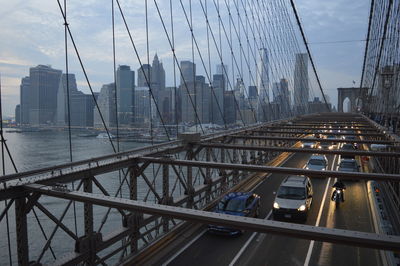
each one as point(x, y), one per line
point(34, 150)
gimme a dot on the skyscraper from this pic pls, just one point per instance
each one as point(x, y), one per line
point(222, 69)
point(188, 72)
point(62, 98)
point(24, 100)
point(44, 83)
point(106, 102)
point(276, 90)
point(301, 86)
point(145, 69)
point(157, 75)
point(217, 100)
point(253, 93)
point(262, 75)
point(125, 94)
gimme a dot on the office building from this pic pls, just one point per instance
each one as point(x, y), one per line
point(62, 98)
point(301, 86)
point(262, 75)
point(106, 103)
point(24, 100)
point(188, 70)
point(44, 83)
point(143, 75)
point(125, 94)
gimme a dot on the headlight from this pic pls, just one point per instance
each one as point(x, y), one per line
point(323, 169)
point(302, 145)
point(276, 205)
point(302, 208)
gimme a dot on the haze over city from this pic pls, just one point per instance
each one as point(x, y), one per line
point(40, 41)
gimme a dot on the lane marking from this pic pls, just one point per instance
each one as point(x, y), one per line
point(311, 246)
point(239, 254)
point(184, 248)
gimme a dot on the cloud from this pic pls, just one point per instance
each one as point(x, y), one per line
point(33, 33)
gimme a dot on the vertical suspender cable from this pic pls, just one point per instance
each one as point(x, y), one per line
point(114, 74)
point(3, 141)
point(68, 104)
point(174, 66)
point(115, 84)
point(149, 77)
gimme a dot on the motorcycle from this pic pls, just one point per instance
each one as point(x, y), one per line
point(337, 196)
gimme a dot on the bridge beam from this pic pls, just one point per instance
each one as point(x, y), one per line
point(363, 239)
point(272, 169)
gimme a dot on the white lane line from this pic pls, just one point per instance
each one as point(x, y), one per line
point(311, 246)
point(184, 248)
point(239, 254)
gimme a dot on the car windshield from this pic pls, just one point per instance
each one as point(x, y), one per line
point(316, 162)
point(235, 205)
point(291, 193)
point(347, 165)
point(347, 147)
point(331, 137)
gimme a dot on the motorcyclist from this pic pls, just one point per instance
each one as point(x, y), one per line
point(339, 185)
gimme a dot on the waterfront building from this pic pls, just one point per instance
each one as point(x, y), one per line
point(106, 103)
point(24, 100)
point(125, 78)
point(44, 83)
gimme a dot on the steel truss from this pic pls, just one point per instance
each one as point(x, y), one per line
point(163, 184)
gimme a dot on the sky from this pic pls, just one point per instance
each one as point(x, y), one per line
point(32, 33)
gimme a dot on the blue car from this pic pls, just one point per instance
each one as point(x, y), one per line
point(238, 204)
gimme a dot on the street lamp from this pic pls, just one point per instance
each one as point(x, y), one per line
point(387, 80)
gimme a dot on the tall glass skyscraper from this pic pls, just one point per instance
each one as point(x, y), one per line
point(301, 86)
point(125, 94)
point(44, 83)
point(262, 75)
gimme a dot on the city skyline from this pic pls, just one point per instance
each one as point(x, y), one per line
point(46, 100)
point(346, 21)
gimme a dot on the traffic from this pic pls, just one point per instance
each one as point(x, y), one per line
point(292, 199)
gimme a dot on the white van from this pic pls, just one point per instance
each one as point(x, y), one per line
point(293, 198)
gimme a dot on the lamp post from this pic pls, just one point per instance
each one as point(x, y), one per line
point(387, 79)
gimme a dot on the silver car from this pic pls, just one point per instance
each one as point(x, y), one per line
point(317, 162)
point(349, 165)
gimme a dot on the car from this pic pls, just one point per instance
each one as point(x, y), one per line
point(238, 204)
point(348, 147)
point(351, 138)
point(294, 198)
point(348, 165)
point(332, 137)
point(317, 162)
point(325, 145)
point(308, 143)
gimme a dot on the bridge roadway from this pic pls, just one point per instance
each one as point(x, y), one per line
point(268, 249)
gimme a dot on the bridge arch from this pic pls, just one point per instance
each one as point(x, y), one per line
point(352, 94)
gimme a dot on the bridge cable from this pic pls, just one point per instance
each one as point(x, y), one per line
point(141, 65)
point(68, 106)
point(85, 74)
point(3, 143)
point(381, 45)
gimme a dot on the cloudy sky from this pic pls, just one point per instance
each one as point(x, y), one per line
point(32, 33)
